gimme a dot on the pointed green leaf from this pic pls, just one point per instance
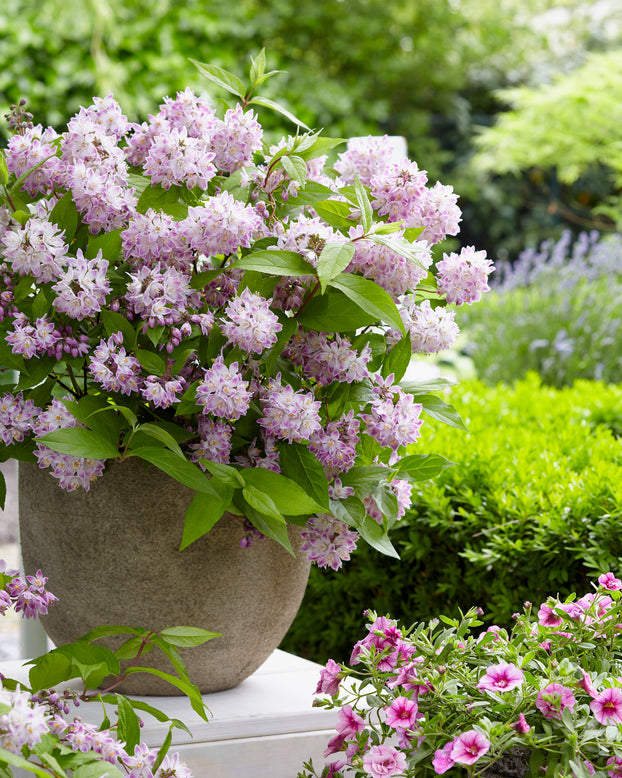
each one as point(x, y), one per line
point(275, 529)
point(202, 279)
point(190, 690)
point(261, 501)
point(180, 469)
point(65, 215)
point(295, 168)
point(334, 313)
point(370, 297)
point(159, 433)
point(224, 473)
point(424, 387)
point(263, 101)
point(275, 262)
point(115, 322)
point(204, 511)
point(128, 726)
point(335, 258)
point(79, 442)
point(362, 199)
point(156, 197)
point(258, 67)
point(421, 467)
point(18, 761)
point(398, 359)
point(187, 636)
point(300, 465)
point(221, 77)
point(287, 496)
point(109, 243)
point(336, 213)
point(153, 363)
point(441, 411)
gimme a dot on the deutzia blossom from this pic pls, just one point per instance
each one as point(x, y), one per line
point(462, 278)
point(83, 288)
point(223, 392)
point(249, 323)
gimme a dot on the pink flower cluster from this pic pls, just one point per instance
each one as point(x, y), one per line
point(26, 594)
point(328, 541)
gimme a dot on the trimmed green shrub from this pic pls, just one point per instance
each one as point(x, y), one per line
point(532, 507)
point(557, 310)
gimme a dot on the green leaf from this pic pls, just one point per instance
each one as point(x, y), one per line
point(289, 327)
point(334, 312)
point(362, 199)
point(204, 511)
point(224, 473)
point(441, 411)
point(300, 465)
point(263, 101)
point(268, 526)
point(107, 630)
point(295, 168)
point(19, 761)
point(180, 469)
point(261, 502)
point(286, 495)
point(312, 193)
point(398, 359)
point(202, 279)
point(37, 371)
point(114, 322)
point(109, 243)
point(190, 690)
point(49, 670)
point(373, 299)
point(321, 145)
point(128, 726)
point(258, 67)
point(97, 770)
point(130, 648)
point(221, 77)
point(336, 213)
point(275, 262)
point(153, 363)
point(79, 442)
point(65, 215)
point(159, 433)
point(377, 538)
point(421, 467)
point(156, 197)
point(366, 477)
point(334, 258)
point(400, 246)
point(424, 387)
point(187, 636)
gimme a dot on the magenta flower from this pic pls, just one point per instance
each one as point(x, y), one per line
point(349, 723)
point(383, 761)
point(469, 746)
point(586, 684)
point(609, 581)
point(401, 713)
point(521, 725)
point(329, 679)
point(607, 706)
point(442, 760)
point(553, 699)
point(547, 616)
point(502, 677)
point(615, 763)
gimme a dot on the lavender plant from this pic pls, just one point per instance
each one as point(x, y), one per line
point(435, 698)
point(236, 314)
point(37, 733)
point(559, 308)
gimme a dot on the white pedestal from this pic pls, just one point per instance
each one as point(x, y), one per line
point(266, 726)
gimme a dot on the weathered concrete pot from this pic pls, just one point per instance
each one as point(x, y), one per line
point(112, 557)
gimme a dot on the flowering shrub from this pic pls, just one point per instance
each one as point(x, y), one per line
point(36, 733)
point(560, 308)
point(238, 316)
point(434, 697)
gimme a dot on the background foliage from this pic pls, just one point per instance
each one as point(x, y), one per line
point(425, 69)
point(532, 507)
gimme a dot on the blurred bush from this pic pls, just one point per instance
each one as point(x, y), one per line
point(557, 310)
point(533, 506)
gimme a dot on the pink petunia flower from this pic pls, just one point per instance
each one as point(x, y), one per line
point(349, 723)
point(607, 706)
point(587, 685)
point(469, 746)
point(547, 616)
point(442, 760)
point(329, 679)
point(521, 725)
point(502, 677)
point(384, 761)
point(552, 700)
point(615, 763)
point(402, 713)
point(609, 581)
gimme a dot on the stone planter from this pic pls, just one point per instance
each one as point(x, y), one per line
point(112, 557)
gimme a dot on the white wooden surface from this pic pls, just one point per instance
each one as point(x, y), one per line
point(265, 727)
